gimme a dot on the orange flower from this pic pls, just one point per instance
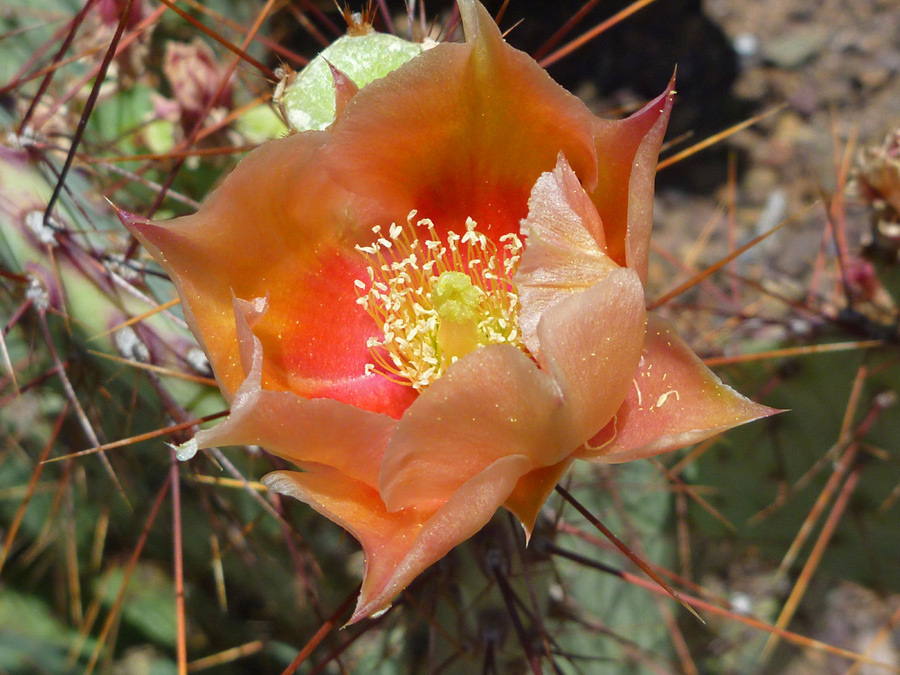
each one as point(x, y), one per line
point(435, 304)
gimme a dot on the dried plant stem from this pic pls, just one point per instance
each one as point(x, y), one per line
point(327, 626)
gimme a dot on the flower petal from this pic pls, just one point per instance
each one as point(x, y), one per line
point(591, 345)
point(628, 152)
point(495, 401)
point(491, 403)
point(280, 228)
point(532, 491)
point(564, 247)
point(463, 130)
point(399, 546)
point(324, 431)
point(673, 401)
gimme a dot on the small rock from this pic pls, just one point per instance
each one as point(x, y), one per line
point(758, 183)
point(796, 48)
point(874, 76)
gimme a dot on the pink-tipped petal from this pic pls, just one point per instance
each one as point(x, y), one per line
point(673, 401)
point(628, 152)
point(491, 403)
point(301, 430)
point(564, 247)
point(399, 546)
point(591, 345)
point(532, 491)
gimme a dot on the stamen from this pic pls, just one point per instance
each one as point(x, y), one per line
point(435, 299)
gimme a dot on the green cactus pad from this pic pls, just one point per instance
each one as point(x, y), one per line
point(309, 100)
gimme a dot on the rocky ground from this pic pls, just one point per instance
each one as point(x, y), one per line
point(836, 66)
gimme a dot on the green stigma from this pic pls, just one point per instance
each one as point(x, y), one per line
point(455, 298)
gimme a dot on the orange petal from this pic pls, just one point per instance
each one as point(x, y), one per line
point(280, 228)
point(305, 430)
point(463, 130)
point(628, 152)
point(591, 345)
point(491, 403)
point(495, 401)
point(564, 247)
point(324, 431)
point(673, 401)
point(399, 546)
point(532, 491)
